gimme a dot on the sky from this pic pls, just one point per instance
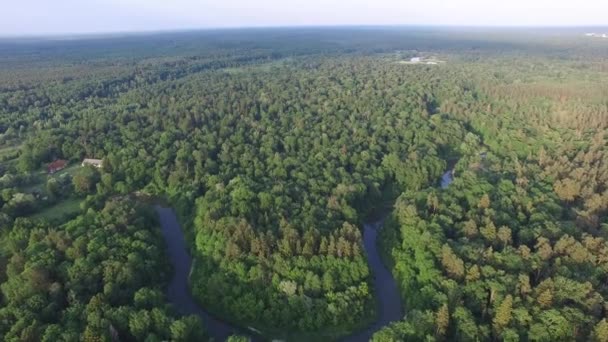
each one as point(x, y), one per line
point(51, 17)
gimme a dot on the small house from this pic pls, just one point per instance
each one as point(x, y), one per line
point(57, 165)
point(415, 59)
point(93, 162)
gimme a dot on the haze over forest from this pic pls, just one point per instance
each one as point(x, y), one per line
point(40, 17)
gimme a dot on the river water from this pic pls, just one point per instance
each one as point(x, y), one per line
point(389, 307)
point(179, 292)
point(447, 178)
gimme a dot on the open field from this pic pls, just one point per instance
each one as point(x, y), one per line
point(41, 177)
point(59, 210)
point(8, 150)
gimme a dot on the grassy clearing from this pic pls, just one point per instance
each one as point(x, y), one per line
point(8, 150)
point(41, 178)
point(70, 169)
point(9, 155)
point(37, 184)
point(58, 211)
point(263, 67)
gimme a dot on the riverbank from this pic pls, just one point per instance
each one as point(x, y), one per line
point(178, 291)
point(388, 300)
point(387, 296)
point(179, 294)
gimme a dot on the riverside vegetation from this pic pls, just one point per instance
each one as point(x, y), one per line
point(274, 146)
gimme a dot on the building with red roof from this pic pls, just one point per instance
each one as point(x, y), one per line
point(57, 165)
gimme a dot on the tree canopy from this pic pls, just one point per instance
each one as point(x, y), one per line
point(274, 146)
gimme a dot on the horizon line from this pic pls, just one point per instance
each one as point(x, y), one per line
point(109, 33)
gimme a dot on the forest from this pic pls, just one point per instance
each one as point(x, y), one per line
point(274, 146)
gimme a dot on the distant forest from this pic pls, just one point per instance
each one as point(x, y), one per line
point(274, 146)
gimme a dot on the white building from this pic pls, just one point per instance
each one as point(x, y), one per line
point(93, 162)
point(415, 59)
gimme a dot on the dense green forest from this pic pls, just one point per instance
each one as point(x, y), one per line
point(274, 146)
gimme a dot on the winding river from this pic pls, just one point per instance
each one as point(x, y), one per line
point(389, 307)
point(179, 292)
point(388, 299)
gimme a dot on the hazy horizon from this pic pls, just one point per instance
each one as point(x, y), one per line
point(70, 17)
point(125, 33)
